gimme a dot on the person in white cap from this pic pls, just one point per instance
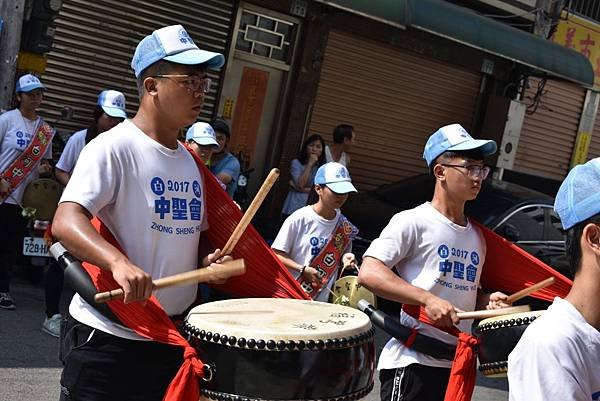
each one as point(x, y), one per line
point(438, 256)
point(109, 111)
point(147, 190)
point(203, 141)
point(312, 232)
point(558, 354)
point(18, 128)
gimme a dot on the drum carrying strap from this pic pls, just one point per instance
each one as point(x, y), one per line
point(326, 262)
point(18, 170)
point(463, 374)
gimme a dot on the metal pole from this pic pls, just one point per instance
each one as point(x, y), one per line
point(11, 12)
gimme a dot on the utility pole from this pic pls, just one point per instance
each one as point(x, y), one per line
point(11, 12)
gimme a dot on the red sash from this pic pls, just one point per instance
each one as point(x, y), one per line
point(24, 164)
point(326, 262)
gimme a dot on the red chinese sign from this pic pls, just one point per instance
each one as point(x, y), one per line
point(583, 36)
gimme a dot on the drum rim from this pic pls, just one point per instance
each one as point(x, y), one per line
point(352, 327)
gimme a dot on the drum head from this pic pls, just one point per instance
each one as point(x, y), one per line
point(279, 319)
point(43, 195)
point(348, 292)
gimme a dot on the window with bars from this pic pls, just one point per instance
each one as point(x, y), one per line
point(266, 36)
point(586, 8)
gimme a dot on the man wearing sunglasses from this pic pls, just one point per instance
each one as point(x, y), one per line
point(147, 190)
point(438, 255)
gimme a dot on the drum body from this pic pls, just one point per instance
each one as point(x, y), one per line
point(43, 195)
point(497, 338)
point(348, 292)
point(283, 349)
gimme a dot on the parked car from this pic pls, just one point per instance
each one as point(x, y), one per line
point(523, 216)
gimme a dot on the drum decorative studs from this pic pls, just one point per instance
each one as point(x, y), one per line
point(497, 338)
point(283, 349)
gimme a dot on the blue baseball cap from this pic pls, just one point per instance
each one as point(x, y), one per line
point(336, 177)
point(172, 43)
point(203, 134)
point(113, 103)
point(578, 197)
point(455, 138)
point(27, 83)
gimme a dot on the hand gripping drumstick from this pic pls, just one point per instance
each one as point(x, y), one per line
point(250, 212)
point(225, 270)
point(530, 290)
point(484, 314)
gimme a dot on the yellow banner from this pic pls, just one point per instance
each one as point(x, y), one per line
point(582, 35)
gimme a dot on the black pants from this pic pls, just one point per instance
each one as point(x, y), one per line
point(53, 286)
point(101, 367)
point(414, 382)
point(12, 229)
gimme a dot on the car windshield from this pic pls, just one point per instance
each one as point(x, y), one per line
point(495, 198)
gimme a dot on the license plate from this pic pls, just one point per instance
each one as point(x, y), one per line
point(35, 246)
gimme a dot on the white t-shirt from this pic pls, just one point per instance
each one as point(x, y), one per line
point(329, 157)
point(557, 358)
point(431, 252)
point(70, 154)
point(152, 200)
point(302, 236)
point(16, 133)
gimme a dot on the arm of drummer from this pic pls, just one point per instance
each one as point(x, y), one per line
point(380, 279)
point(72, 227)
point(495, 300)
point(210, 257)
point(310, 273)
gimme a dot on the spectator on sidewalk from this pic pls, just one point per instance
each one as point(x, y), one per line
point(343, 140)
point(18, 128)
point(302, 172)
point(223, 163)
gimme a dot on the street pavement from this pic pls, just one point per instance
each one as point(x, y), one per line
point(30, 369)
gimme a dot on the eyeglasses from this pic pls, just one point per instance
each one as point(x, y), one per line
point(473, 171)
point(193, 82)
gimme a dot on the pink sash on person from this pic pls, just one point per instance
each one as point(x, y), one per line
point(327, 260)
point(18, 170)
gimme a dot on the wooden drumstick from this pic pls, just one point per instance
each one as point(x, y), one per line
point(530, 290)
point(225, 270)
point(251, 211)
point(484, 314)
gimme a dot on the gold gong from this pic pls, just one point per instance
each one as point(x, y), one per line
point(348, 292)
point(43, 195)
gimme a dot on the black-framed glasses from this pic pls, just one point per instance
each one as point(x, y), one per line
point(193, 82)
point(473, 171)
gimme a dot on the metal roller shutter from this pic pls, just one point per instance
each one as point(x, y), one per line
point(95, 41)
point(548, 135)
point(394, 98)
point(594, 150)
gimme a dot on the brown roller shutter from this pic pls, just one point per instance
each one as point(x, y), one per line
point(548, 135)
point(594, 150)
point(95, 41)
point(394, 98)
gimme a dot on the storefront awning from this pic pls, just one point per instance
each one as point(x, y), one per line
point(471, 29)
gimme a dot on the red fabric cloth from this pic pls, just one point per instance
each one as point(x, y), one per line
point(151, 321)
point(509, 269)
point(265, 274)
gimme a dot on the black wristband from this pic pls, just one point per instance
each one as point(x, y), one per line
point(302, 270)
